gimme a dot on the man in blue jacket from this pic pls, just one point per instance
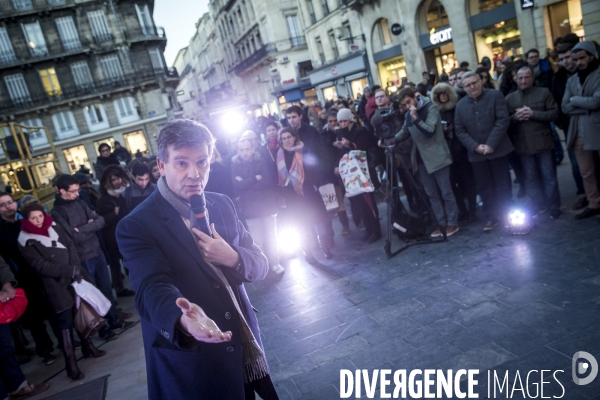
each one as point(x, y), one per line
point(200, 332)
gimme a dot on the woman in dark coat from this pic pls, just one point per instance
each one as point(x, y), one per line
point(298, 180)
point(110, 206)
point(52, 253)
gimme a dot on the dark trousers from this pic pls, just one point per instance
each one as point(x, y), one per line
point(11, 376)
point(37, 311)
point(540, 178)
point(264, 387)
point(113, 257)
point(365, 206)
point(575, 171)
point(462, 179)
point(515, 163)
point(493, 185)
point(98, 269)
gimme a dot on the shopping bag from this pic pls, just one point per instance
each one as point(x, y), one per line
point(87, 321)
point(93, 296)
point(354, 171)
point(14, 308)
point(329, 197)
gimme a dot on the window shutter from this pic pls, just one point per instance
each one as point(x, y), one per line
point(68, 33)
point(7, 53)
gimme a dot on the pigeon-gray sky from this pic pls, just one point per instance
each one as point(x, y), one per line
point(179, 18)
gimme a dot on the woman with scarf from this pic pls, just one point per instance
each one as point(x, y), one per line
point(50, 250)
point(110, 206)
point(297, 179)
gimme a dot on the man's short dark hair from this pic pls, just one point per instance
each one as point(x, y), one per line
point(271, 123)
point(532, 51)
point(422, 88)
point(332, 113)
point(294, 109)
point(527, 67)
point(103, 145)
point(2, 194)
point(29, 208)
point(140, 170)
point(564, 47)
point(66, 181)
point(183, 133)
point(406, 92)
point(464, 65)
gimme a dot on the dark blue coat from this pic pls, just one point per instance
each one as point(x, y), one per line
point(164, 264)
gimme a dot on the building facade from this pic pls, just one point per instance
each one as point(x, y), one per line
point(89, 71)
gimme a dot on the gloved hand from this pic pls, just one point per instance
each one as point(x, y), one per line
point(77, 275)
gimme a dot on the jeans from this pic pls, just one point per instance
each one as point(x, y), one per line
point(10, 372)
point(97, 267)
point(575, 171)
point(540, 180)
point(587, 168)
point(463, 186)
point(439, 190)
point(264, 233)
point(493, 185)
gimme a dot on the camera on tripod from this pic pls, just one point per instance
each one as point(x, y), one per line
point(387, 130)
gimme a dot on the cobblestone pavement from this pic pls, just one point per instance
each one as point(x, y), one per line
point(479, 301)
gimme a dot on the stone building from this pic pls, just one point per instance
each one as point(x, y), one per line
point(89, 71)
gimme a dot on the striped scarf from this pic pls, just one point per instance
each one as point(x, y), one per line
point(295, 174)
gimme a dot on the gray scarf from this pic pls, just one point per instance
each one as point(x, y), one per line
point(255, 362)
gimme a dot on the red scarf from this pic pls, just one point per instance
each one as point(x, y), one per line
point(28, 227)
point(273, 143)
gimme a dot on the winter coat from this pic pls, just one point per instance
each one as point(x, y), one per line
point(458, 151)
point(55, 258)
point(106, 209)
point(314, 148)
point(76, 214)
point(532, 136)
point(134, 195)
point(428, 136)
point(103, 162)
point(122, 154)
point(559, 86)
point(6, 274)
point(582, 104)
point(258, 198)
point(543, 74)
point(484, 120)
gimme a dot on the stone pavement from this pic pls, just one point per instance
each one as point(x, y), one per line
point(479, 301)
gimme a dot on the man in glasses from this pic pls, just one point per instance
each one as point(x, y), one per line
point(105, 159)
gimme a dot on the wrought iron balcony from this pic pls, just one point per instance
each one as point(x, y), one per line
point(254, 58)
point(52, 49)
point(299, 41)
point(10, 8)
point(145, 33)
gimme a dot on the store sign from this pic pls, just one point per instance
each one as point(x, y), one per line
point(442, 36)
point(288, 81)
point(525, 4)
point(397, 29)
point(334, 71)
point(354, 48)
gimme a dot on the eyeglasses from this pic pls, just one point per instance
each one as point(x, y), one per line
point(73, 191)
point(472, 84)
point(8, 203)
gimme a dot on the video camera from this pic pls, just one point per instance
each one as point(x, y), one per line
point(387, 130)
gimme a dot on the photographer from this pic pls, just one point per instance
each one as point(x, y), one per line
point(352, 136)
point(386, 121)
point(430, 156)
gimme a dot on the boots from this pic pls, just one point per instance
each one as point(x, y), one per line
point(69, 352)
point(88, 349)
point(326, 243)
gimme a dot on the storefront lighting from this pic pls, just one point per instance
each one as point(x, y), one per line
point(502, 36)
point(445, 56)
point(393, 89)
point(432, 31)
point(499, 41)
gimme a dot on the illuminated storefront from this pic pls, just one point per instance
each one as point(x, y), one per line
point(136, 141)
point(391, 68)
point(347, 76)
point(76, 157)
point(436, 37)
point(565, 17)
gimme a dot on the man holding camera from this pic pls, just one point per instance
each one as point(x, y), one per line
point(431, 157)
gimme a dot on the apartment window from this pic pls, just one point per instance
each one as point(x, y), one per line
point(145, 20)
point(35, 39)
point(37, 138)
point(95, 117)
point(325, 7)
point(384, 31)
point(296, 37)
point(333, 42)
point(111, 67)
point(81, 75)
point(320, 50)
point(311, 11)
point(99, 24)
point(64, 124)
point(17, 90)
point(21, 5)
point(156, 60)
point(7, 53)
point(68, 33)
point(348, 32)
point(50, 82)
point(125, 109)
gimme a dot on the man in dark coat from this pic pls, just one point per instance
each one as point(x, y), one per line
point(122, 153)
point(184, 276)
point(105, 159)
point(140, 188)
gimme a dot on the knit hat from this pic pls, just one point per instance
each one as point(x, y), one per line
point(345, 115)
point(586, 45)
point(367, 87)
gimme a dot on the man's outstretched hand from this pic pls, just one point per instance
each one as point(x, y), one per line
point(195, 322)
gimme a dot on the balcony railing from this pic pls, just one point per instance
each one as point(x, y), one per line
point(103, 38)
point(137, 34)
point(7, 57)
point(20, 7)
point(53, 48)
point(299, 41)
point(254, 58)
point(99, 86)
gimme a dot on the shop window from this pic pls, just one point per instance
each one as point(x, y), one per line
point(44, 172)
point(356, 87)
point(436, 15)
point(479, 6)
point(126, 110)
point(95, 117)
point(136, 141)
point(64, 124)
point(76, 157)
point(109, 141)
point(329, 93)
point(565, 17)
point(50, 82)
point(392, 71)
point(445, 58)
point(500, 40)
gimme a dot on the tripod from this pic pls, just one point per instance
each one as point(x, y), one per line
point(392, 193)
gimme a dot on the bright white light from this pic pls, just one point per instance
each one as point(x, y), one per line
point(516, 218)
point(233, 122)
point(289, 240)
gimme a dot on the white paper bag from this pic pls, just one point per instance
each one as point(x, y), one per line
point(93, 296)
point(329, 197)
point(355, 173)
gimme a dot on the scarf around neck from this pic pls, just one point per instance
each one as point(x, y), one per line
point(28, 227)
point(295, 174)
point(255, 362)
point(116, 192)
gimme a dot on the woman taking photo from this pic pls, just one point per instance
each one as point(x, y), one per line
point(48, 248)
point(297, 180)
point(110, 204)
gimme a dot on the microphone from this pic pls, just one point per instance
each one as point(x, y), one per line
point(198, 203)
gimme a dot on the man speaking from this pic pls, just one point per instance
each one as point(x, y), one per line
point(188, 256)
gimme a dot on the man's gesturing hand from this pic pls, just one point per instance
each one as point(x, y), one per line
point(195, 322)
point(216, 250)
